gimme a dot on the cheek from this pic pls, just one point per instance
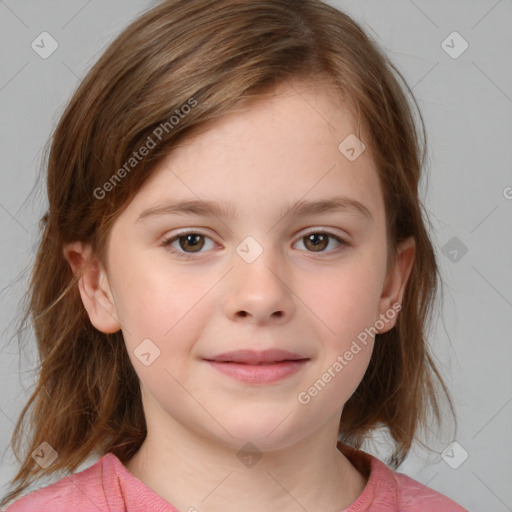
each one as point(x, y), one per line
point(170, 312)
point(154, 302)
point(348, 309)
point(346, 298)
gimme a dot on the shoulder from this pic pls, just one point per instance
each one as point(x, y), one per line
point(82, 491)
point(389, 491)
point(414, 496)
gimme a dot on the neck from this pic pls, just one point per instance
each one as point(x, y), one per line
point(194, 473)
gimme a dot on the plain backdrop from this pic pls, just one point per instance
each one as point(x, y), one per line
point(455, 55)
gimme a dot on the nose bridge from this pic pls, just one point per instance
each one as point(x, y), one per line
point(258, 286)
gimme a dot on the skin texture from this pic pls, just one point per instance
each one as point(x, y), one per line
point(274, 152)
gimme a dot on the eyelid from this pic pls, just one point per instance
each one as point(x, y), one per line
point(327, 231)
point(170, 239)
point(188, 231)
point(341, 239)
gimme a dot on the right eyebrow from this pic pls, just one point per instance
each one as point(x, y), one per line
point(189, 207)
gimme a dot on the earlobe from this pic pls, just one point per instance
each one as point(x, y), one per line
point(94, 286)
point(396, 280)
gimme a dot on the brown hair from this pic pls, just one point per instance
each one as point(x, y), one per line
point(211, 56)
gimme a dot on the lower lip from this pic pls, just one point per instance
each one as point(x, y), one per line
point(259, 373)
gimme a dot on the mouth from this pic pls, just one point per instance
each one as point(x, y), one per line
point(258, 367)
point(254, 357)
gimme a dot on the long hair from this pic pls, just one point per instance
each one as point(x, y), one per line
point(175, 70)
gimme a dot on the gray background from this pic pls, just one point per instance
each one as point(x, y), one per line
point(467, 105)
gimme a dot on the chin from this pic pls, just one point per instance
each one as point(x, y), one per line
point(266, 432)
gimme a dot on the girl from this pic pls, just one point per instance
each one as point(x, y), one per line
point(234, 282)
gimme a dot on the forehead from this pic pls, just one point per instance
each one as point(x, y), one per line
point(312, 102)
point(285, 145)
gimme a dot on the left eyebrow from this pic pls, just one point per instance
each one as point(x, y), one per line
point(228, 210)
point(333, 204)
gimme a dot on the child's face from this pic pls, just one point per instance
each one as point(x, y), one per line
point(314, 303)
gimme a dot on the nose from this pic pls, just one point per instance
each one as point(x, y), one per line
point(259, 292)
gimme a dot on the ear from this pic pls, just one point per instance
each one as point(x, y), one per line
point(394, 286)
point(93, 286)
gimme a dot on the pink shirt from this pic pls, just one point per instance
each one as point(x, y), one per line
point(109, 486)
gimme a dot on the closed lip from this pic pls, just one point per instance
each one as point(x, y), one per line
point(257, 357)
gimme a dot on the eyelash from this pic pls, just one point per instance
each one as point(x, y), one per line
point(168, 241)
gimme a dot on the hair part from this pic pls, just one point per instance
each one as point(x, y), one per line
point(221, 55)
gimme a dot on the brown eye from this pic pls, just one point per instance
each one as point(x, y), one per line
point(319, 242)
point(316, 241)
point(185, 244)
point(194, 242)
